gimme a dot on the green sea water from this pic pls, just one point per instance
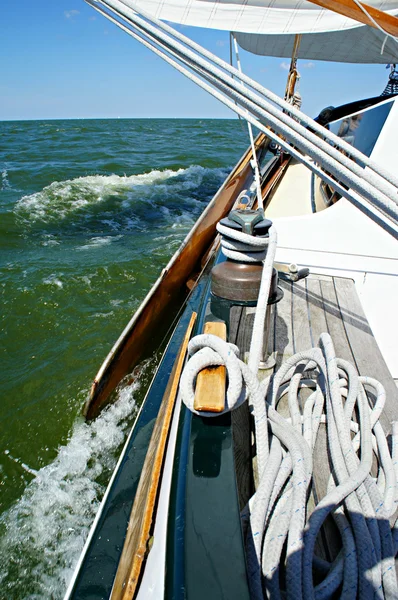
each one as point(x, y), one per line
point(91, 211)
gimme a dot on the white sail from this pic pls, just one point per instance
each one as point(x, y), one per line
point(360, 44)
point(268, 27)
point(254, 16)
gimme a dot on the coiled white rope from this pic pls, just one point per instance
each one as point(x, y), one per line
point(281, 531)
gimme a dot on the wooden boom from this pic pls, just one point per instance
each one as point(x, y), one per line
point(155, 315)
point(348, 8)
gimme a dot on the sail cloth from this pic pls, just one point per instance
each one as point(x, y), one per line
point(268, 27)
point(361, 44)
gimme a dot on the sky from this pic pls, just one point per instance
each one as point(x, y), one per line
point(61, 59)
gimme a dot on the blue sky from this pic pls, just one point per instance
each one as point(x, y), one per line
point(60, 59)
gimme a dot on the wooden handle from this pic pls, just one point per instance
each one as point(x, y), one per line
point(211, 382)
point(135, 546)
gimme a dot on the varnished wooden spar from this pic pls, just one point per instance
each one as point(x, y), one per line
point(348, 8)
point(136, 543)
point(156, 312)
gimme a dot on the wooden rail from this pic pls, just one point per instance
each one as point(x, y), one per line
point(135, 547)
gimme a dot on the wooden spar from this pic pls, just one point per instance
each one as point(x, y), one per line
point(138, 533)
point(349, 9)
point(211, 382)
point(155, 314)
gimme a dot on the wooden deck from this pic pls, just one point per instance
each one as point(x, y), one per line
point(310, 307)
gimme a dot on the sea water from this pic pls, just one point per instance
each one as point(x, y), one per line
point(91, 211)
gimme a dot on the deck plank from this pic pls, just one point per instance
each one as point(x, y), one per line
point(241, 426)
point(316, 309)
point(235, 316)
point(309, 321)
point(368, 358)
point(301, 326)
point(244, 336)
point(335, 325)
point(283, 334)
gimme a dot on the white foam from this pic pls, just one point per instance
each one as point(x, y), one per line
point(47, 527)
point(49, 240)
point(100, 315)
point(4, 180)
point(53, 280)
point(59, 199)
point(99, 241)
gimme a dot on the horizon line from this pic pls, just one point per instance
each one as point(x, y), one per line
point(18, 120)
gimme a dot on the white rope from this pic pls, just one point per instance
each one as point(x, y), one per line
point(376, 24)
point(242, 247)
point(209, 350)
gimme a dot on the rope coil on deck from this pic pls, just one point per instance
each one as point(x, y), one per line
point(361, 505)
point(282, 530)
point(210, 351)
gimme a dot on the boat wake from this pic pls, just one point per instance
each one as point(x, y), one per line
point(50, 522)
point(111, 199)
point(60, 198)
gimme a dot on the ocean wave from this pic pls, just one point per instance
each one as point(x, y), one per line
point(117, 204)
point(53, 280)
point(49, 240)
point(50, 522)
point(61, 198)
point(5, 184)
point(99, 242)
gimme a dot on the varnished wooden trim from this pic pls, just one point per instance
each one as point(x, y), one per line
point(348, 8)
point(211, 382)
point(135, 547)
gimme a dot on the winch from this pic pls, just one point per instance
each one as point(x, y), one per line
point(236, 280)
